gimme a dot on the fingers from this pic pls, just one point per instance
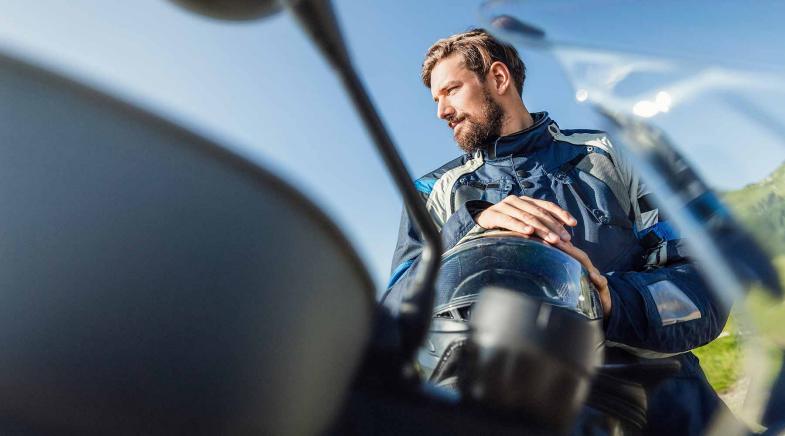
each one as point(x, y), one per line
point(585, 261)
point(499, 219)
point(529, 217)
point(576, 253)
point(548, 226)
point(564, 216)
point(540, 226)
point(600, 281)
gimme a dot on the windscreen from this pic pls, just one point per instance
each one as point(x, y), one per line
point(692, 94)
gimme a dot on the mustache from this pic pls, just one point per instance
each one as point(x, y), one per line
point(453, 120)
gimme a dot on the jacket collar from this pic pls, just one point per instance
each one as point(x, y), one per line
point(524, 142)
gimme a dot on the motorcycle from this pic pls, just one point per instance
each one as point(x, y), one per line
point(148, 308)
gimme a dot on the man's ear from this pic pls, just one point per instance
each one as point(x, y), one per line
point(500, 77)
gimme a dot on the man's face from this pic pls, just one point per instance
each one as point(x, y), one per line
point(464, 101)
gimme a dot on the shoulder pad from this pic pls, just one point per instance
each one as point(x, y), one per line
point(628, 184)
point(425, 183)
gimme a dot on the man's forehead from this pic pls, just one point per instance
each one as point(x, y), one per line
point(448, 69)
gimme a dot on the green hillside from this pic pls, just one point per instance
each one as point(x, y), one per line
point(761, 207)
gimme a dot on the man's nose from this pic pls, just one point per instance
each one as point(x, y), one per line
point(444, 110)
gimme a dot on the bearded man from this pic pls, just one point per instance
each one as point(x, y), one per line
point(571, 188)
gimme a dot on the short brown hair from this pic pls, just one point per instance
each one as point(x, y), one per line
point(479, 50)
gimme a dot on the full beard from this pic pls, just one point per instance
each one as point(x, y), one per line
point(476, 134)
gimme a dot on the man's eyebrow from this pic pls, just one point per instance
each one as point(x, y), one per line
point(445, 86)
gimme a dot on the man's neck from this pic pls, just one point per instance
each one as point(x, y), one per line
point(516, 119)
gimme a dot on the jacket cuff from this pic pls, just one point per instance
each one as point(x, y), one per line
point(627, 322)
point(475, 207)
point(460, 223)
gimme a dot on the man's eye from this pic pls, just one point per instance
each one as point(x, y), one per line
point(452, 91)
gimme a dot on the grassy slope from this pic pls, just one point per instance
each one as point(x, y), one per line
point(721, 361)
point(761, 208)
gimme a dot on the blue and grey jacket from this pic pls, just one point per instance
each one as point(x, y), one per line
point(661, 306)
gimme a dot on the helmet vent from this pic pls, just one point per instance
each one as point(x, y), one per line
point(465, 313)
point(446, 314)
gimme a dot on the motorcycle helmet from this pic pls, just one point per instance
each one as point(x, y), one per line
point(517, 325)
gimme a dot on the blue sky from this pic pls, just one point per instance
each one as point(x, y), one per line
point(263, 90)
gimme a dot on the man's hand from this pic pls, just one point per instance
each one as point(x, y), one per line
point(528, 216)
point(594, 274)
point(532, 217)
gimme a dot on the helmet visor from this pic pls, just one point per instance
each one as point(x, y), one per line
point(522, 265)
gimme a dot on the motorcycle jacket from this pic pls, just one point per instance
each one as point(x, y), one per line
point(661, 307)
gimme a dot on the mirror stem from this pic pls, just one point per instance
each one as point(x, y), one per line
point(318, 20)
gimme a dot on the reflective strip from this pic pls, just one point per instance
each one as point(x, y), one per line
point(672, 304)
point(396, 275)
point(439, 201)
point(648, 354)
point(424, 185)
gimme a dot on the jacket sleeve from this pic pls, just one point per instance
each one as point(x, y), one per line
point(406, 257)
point(667, 307)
